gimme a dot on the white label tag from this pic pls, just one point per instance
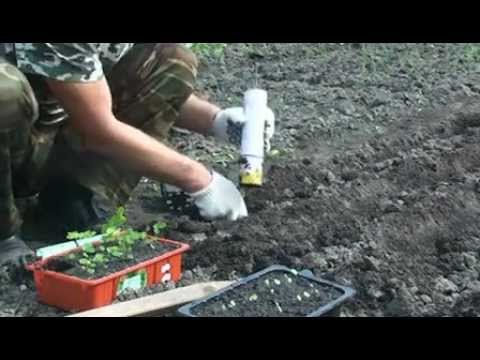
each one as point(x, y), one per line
point(135, 281)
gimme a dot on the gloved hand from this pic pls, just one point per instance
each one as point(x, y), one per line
point(228, 126)
point(14, 251)
point(220, 200)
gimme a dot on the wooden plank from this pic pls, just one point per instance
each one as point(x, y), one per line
point(156, 304)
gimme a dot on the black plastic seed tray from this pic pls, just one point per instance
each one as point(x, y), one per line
point(342, 293)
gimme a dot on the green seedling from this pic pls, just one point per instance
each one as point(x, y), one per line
point(115, 251)
point(80, 235)
point(117, 243)
point(88, 265)
point(160, 228)
point(115, 222)
point(215, 50)
point(89, 249)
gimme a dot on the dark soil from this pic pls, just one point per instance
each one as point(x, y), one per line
point(142, 251)
point(376, 185)
point(275, 294)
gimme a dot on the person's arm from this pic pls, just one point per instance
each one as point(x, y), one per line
point(198, 115)
point(89, 106)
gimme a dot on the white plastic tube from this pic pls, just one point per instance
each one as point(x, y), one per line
point(58, 249)
point(252, 149)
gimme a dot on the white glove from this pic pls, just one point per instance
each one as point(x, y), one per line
point(228, 126)
point(220, 200)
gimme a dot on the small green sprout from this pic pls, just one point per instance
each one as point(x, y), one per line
point(99, 259)
point(89, 266)
point(114, 251)
point(115, 222)
point(208, 49)
point(85, 262)
point(274, 153)
point(160, 228)
point(72, 257)
point(74, 235)
point(89, 249)
point(232, 304)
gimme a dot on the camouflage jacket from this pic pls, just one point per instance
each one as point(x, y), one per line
point(76, 62)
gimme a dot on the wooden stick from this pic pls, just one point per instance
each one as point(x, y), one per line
point(158, 303)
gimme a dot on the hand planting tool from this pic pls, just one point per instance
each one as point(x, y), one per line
point(252, 149)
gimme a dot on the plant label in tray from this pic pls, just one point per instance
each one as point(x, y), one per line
point(134, 281)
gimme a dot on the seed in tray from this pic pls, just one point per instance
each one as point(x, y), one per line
point(294, 272)
point(316, 291)
point(279, 308)
point(267, 282)
point(232, 304)
point(277, 282)
point(306, 294)
point(224, 307)
point(272, 291)
point(299, 298)
point(254, 297)
point(311, 285)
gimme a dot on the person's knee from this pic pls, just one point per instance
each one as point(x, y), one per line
point(17, 102)
point(161, 58)
point(179, 65)
point(187, 57)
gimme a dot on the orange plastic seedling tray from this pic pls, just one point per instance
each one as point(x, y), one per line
point(74, 294)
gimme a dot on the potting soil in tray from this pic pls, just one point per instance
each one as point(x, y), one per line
point(277, 293)
point(142, 251)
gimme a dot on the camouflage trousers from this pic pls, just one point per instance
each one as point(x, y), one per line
point(149, 86)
